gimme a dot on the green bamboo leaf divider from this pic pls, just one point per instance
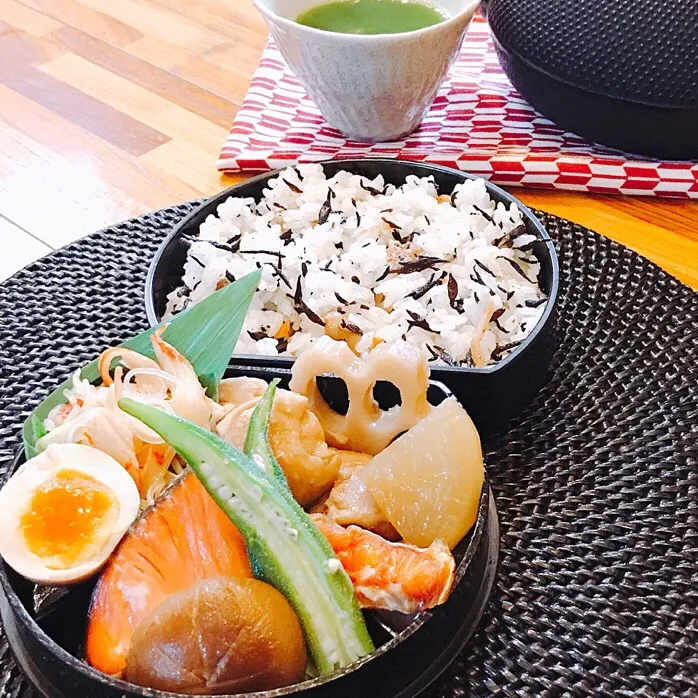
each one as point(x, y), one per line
point(206, 333)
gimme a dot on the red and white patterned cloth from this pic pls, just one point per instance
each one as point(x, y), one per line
point(479, 123)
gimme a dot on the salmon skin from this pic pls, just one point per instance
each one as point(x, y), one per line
point(390, 576)
point(182, 539)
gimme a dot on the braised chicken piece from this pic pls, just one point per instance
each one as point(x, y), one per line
point(350, 502)
point(297, 440)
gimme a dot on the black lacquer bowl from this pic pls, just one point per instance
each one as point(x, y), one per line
point(490, 395)
point(411, 651)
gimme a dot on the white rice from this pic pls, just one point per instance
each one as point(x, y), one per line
point(347, 265)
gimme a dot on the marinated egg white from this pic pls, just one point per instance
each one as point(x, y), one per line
point(63, 513)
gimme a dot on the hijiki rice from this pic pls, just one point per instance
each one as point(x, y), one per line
point(368, 262)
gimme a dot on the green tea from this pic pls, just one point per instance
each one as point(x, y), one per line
point(371, 16)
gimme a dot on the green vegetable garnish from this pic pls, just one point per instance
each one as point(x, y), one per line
point(286, 547)
point(257, 441)
point(206, 333)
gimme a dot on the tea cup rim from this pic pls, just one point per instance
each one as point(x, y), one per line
point(469, 10)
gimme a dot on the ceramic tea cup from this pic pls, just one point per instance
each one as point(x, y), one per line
point(371, 87)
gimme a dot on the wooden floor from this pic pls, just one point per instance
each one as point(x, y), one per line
point(111, 109)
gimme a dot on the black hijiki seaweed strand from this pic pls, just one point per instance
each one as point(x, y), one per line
point(351, 327)
point(508, 238)
point(420, 264)
point(295, 189)
point(281, 275)
point(272, 253)
point(497, 314)
point(477, 278)
point(391, 224)
point(485, 268)
point(483, 213)
point(302, 307)
point(418, 321)
point(220, 245)
point(234, 242)
point(326, 208)
point(535, 303)
point(423, 290)
point(500, 350)
point(438, 353)
point(370, 189)
point(517, 267)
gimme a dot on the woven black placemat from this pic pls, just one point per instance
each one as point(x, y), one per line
point(597, 484)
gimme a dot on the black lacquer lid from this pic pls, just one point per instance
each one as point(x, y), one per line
point(643, 51)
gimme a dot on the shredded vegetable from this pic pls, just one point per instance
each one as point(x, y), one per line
point(91, 414)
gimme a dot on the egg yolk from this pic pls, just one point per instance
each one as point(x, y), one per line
point(67, 517)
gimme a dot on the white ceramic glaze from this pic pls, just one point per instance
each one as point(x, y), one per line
point(371, 87)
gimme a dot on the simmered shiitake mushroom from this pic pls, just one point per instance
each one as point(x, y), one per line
point(223, 635)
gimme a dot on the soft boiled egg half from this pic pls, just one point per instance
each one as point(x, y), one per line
point(63, 513)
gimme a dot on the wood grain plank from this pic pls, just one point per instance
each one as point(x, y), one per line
point(18, 73)
point(156, 21)
point(671, 214)
point(191, 162)
point(158, 52)
point(231, 60)
point(153, 187)
point(136, 102)
point(26, 19)
point(229, 84)
point(72, 13)
point(212, 12)
point(677, 216)
point(25, 49)
point(160, 82)
point(224, 69)
point(22, 153)
point(74, 201)
point(238, 22)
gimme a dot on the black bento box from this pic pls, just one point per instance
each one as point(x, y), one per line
point(491, 395)
point(411, 651)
